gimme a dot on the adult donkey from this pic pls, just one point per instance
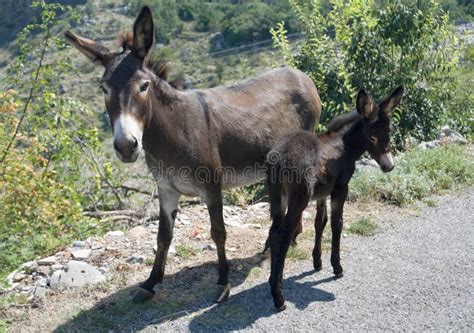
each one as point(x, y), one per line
point(189, 137)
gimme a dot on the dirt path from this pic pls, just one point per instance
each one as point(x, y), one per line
point(415, 273)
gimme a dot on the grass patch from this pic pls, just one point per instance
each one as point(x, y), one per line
point(149, 261)
point(418, 173)
point(185, 251)
point(296, 253)
point(362, 227)
point(431, 202)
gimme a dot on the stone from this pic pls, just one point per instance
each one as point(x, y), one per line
point(76, 274)
point(55, 267)
point(183, 219)
point(172, 250)
point(116, 233)
point(136, 259)
point(79, 244)
point(19, 277)
point(210, 247)
point(29, 265)
point(234, 221)
point(429, 144)
point(47, 261)
point(260, 206)
point(42, 281)
point(39, 292)
point(367, 162)
point(81, 254)
point(451, 136)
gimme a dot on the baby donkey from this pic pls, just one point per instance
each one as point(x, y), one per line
point(305, 166)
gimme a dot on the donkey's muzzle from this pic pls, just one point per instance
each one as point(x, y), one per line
point(127, 150)
point(386, 162)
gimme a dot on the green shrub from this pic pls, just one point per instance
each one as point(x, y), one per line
point(378, 45)
point(418, 173)
point(49, 168)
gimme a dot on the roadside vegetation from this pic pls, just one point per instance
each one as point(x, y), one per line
point(55, 167)
point(417, 174)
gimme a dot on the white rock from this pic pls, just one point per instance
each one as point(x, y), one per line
point(47, 261)
point(172, 250)
point(260, 206)
point(183, 219)
point(234, 221)
point(55, 267)
point(116, 233)
point(451, 136)
point(76, 274)
point(81, 254)
point(42, 281)
point(39, 292)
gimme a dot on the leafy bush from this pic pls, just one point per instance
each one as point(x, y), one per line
point(49, 169)
point(417, 174)
point(379, 45)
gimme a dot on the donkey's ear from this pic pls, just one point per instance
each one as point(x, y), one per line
point(96, 52)
point(392, 102)
point(143, 33)
point(364, 104)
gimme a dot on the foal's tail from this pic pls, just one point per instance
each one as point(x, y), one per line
point(275, 188)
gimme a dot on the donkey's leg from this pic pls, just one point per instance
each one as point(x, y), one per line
point(168, 210)
point(218, 234)
point(280, 240)
point(338, 197)
point(278, 205)
point(319, 225)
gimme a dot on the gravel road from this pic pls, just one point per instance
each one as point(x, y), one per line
point(415, 275)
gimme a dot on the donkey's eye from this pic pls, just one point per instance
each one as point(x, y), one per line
point(373, 139)
point(103, 90)
point(144, 87)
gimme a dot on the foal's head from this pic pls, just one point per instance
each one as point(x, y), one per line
point(377, 125)
point(126, 83)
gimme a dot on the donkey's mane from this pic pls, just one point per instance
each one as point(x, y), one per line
point(160, 67)
point(342, 120)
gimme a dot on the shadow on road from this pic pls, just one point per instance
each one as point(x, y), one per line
point(190, 292)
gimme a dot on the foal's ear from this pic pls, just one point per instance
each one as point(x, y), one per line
point(364, 104)
point(95, 51)
point(143, 33)
point(392, 102)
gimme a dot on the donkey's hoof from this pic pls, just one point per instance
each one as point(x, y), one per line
point(317, 265)
point(339, 274)
point(223, 292)
point(142, 295)
point(282, 308)
point(279, 302)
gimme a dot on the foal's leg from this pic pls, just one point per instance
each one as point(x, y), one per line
point(319, 225)
point(168, 210)
point(338, 198)
point(280, 240)
point(218, 234)
point(278, 204)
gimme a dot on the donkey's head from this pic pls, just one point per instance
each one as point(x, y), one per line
point(126, 83)
point(377, 125)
